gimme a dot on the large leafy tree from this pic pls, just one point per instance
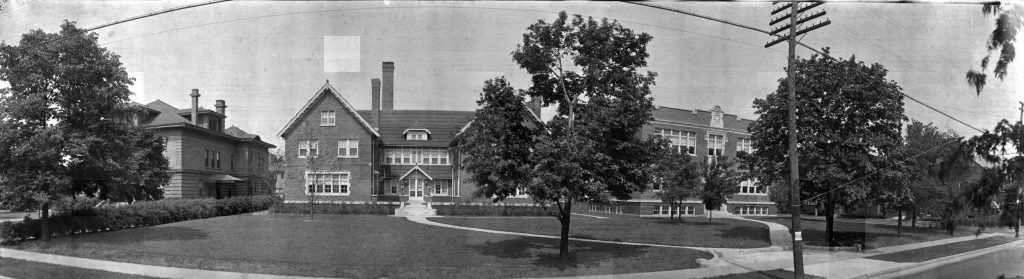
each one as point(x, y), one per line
point(1000, 42)
point(997, 147)
point(678, 178)
point(932, 169)
point(719, 181)
point(63, 125)
point(590, 150)
point(849, 119)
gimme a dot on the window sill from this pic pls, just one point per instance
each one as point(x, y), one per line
point(348, 157)
point(331, 195)
point(326, 125)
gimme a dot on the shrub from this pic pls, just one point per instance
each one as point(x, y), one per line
point(81, 216)
point(489, 210)
point(364, 209)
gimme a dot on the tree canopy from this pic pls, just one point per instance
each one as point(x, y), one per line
point(1001, 42)
point(849, 119)
point(720, 180)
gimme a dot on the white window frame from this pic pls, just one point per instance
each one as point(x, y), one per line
point(715, 143)
point(344, 183)
point(744, 145)
point(416, 156)
point(417, 135)
point(347, 145)
point(327, 117)
point(749, 187)
point(681, 141)
point(520, 193)
point(441, 187)
point(311, 147)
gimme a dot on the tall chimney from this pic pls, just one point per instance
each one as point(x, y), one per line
point(388, 88)
point(195, 106)
point(375, 109)
point(220, 106)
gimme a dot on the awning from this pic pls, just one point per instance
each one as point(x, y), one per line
point(222, 178)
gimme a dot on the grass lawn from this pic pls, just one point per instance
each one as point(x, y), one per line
point(871, 235)
point(765, 274)
point(935, 252)
point(690, 231)
point(27, 270)
point(358, 246)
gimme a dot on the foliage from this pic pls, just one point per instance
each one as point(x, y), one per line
point(1004, 35)
point(63, 128)
point(489, 210)
point(720, 181)
point(589, 150)
point(342, 208)
point(80, 220)
point(849, 119)
point(1005, 177)
point(679, 179)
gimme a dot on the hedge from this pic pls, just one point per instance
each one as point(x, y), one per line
point(331, 208)
point(79, 218)
point(489, 210)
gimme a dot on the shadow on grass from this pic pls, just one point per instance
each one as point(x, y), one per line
point(133, 236)
point(544, 252)
point(691, 222)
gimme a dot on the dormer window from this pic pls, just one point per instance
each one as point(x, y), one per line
point(411, 134)
point(327, 118)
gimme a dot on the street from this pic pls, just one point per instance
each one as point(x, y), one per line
point(1009, 262)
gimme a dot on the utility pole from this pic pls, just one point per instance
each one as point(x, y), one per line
point(1021, 112)
point(794, 175)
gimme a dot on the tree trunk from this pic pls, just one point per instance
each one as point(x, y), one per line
point(311, 200)
point(709, 215)
point(829, 219)
point(563, 244)
point(899, 223)
point(44, 231)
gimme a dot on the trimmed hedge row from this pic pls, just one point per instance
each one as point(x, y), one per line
point(331, 208)
point(489, 210)
point(78, 219)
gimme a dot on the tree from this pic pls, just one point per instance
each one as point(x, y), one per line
point(1008, 23)
point(720, 180)
point(849, 121)
point(932, 172)
point(1006, 176)
point(591, 149)
point(679, 179)
point(64, 129)
point(317, 170)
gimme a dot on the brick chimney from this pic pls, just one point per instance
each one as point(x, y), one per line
point(387, 102)
point(195, 106)
point(220, 106)
point(535, 105)
point(375, 104)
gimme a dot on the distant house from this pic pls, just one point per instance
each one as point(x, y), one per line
point(339, 154)
point(207, 159)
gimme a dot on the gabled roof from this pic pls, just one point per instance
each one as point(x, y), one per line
point(534, 115)
point(326, 89)
point(415, 168)
point(443, 125)
point(238, 133)
point(167, 115)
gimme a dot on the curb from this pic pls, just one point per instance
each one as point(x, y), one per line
point(901, 271)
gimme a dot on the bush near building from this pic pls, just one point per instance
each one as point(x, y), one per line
point(338, 208)
point(489, 210)
point(80, 217)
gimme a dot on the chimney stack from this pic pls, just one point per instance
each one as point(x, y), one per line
point(388, 88)
point(220, 106)
point(195, 106)
point(535, 105)
point(375, 109)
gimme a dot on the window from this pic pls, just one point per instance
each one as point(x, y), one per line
point(748, 187)
point(232, 160)
point(216, 159)
point(442, 187)
point(327, 118)
point(657, 185)
point(391, 186)
point(520, 193)
point(674, 210)
point(307, 148)
point(416, 135)
point(751, 210)
point(327, 183)
point(716, 144)
point(206, 160)
point(348, 148)
point(682, 142)
point(416, 156)
point(743, 145)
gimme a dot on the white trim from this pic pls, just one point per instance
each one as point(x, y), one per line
point(416, 167)
point(309, 105)
point(698, 126)
point(407, 130)
point(348, 146)
point(347, 183)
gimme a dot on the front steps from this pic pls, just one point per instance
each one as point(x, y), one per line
point(415, 208)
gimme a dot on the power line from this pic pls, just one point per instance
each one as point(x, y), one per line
point(122, 21)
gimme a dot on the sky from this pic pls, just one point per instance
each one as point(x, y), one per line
point(266, 59)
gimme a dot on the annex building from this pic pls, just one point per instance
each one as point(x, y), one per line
point(337, 153)
point(205, 159)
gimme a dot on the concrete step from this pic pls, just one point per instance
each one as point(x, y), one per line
point(416, 209)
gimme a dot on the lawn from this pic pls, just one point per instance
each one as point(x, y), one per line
point(694, 232)
point(871, 235)
point(358, 246)
point(28, 270)
point(935, 252)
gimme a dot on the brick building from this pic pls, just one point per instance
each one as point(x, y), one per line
point(207, 159)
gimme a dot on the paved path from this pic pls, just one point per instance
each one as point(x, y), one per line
point(130, 268)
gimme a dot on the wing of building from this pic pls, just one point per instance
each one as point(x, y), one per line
point(207, 159)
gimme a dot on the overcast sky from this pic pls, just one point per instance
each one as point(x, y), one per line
point(267, 58)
